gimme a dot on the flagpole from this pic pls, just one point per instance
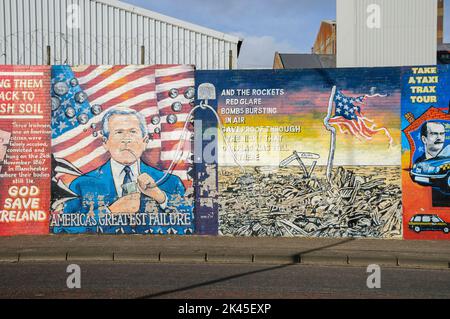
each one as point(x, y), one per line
point(332, 130)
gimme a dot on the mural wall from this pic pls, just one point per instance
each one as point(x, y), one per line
point(119, 149)
point(25, 164)
point(426, 152)
point(310, 153)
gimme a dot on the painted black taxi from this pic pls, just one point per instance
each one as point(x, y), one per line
point(423, 222)
point(434, 172)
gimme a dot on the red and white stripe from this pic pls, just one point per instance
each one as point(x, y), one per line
point(359, 128)
point(143, 88)
point(180, 77)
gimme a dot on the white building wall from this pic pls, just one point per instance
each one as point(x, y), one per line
point(110, 32)
point(407, 33)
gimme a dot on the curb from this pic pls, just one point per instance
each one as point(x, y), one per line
point(44, 256)
point(9, 257)
point(423, 263)
point(229, 259)
point(93, 256)
point(144, 257)
point(322, 259)
point(174, 257)
point(278, 260)
point(364, 261)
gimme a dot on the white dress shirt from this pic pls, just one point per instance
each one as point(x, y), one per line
point(118, 174)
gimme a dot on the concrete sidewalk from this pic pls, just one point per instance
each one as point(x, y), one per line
point(211, 249)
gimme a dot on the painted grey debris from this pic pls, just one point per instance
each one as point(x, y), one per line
point(360, 202)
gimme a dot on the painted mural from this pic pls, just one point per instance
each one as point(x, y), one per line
point(145, 149)
point(25, 142)
point(426, 152)
point(120, 150)
point(312, 153)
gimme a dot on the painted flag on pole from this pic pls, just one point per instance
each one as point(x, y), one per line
point(349, 118)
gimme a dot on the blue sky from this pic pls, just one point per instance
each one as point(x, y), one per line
point(287, 26)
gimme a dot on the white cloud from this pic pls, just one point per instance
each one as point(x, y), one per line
point(258, 52)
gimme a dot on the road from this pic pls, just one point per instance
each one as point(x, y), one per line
point(158, 280)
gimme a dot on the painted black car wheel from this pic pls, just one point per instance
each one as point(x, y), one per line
point(446, 230)
point(417, 229)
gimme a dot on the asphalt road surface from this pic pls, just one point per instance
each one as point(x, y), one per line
point(138, 280)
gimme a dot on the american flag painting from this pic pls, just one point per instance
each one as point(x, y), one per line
point(348, 117)
point(163, 94)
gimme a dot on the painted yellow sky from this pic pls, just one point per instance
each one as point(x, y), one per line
point(316, 139)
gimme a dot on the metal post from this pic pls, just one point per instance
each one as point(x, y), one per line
point(49, 60)
point(332, 131)
point(142, 54)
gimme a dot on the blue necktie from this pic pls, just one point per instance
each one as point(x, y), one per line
point(127, 178)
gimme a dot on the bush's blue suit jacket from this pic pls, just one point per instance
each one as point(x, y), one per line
point(96, 190)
